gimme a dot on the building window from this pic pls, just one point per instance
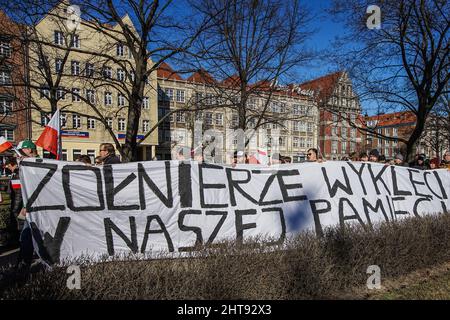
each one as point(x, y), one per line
point(8, 134)
point(310, 143)
point(120, 74)
point(282, 141)
point(353, 133)
point(108, 98)
point(90, 123)
point(169, 94)
point(64, 154)
point(344, 132)
point(335, 117)
point(109, 123)
point(302, 142)
point(302, 126)
point(145, 103)
point(180, 117)
point(44, 119)
point(121, 100)
point(58, 65)
point(90, 70)
point(5, 77)
point(6, 107)
point(334, 147)
point(75, 68)
point(296, 109)
point(59, 38)
point(91, 154)
point(295, 142)
point(219, 119)
point(120, 49)
point(63, 119)
point(234, 121)
point(45, 92)
point(344, 146)
point(76, 95)
point(209, 99)
point(386, 132)
point(75, 41)
point(90, 96)
point(395, 132)
point(145, 125)
point(334, 131)
point(5, 48)
point(209, 118)
point(132, 75)
point(352, 146)
point(61, 94)
point(76, 121)
point(107, 72)
point(76, 153)
point(180, 96)
point(121, 124)
point(310, 127)
point(386, 151)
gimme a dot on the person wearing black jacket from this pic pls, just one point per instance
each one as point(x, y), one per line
point(108, 154)
point(15, 192)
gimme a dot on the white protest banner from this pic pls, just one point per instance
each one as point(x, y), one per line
point(170, 206)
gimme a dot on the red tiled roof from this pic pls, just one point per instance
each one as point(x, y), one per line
point(232, 81)
point(202, 76)
point(166, 72)
point(324, 85)
point(393, 119)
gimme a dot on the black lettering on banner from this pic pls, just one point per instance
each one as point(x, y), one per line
point(416, 204)
point(266, 188)
point(444, 207)
point(396, 212)
point(414, 182)
point(428, 185)
point(316, 211)
point(283, 226)
point(143, 176)
point(204, 186)
point(52, 169)
point(343, 217)
point(49, 248)
point(196, 230)
point(185, 185)
point(347, 188)
point(393, 217)
point(378, 205)
point(438, 179)
point(285, 187)
point(163, 230)
point(234, 184)
point(219, 224)
point(359, 174)
point(379, 176)
point(240, 226)
point(111, 191)
point(66, 186)
point(131, 243)
point(396, 190)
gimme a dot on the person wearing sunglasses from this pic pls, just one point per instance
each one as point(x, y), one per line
point(108, 154)
point(311, 155)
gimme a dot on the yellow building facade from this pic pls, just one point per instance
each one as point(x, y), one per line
point(90, 66)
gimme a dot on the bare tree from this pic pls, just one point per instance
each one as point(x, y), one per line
point(404, 63)
point(252, 46)
point(139, 27)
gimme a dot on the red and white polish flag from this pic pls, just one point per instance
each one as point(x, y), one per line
point(4, 144)
point(260, 157)
point(50, 137)
point(15, 184)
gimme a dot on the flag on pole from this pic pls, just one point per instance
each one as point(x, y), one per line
point(260, 157)
point(4, 144)
point(50, 139)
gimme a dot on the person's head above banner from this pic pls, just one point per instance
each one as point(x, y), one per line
point(27, 148)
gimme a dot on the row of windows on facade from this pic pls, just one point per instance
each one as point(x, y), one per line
point(91, 96)
point(297, 142)
point(74, 42)
point(217, 119)
point(381, 141)
point(342, 148)
point(89, 70)
point(91, 123)
point(344, 116)
point(344, 132)
point(178, 95)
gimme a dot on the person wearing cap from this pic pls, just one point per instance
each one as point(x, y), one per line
point(27, 148)
point(419, 163)
point(374, 155)
point(398, 160)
